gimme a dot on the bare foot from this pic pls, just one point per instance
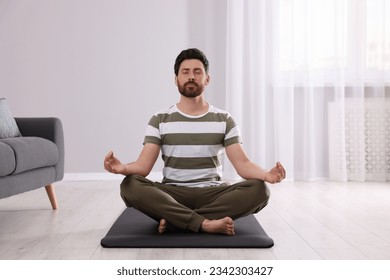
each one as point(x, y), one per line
point(162, 226)
point(225, 226)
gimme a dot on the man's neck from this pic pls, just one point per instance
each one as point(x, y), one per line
point(193, 106)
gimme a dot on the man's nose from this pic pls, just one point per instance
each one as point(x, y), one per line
point(191, 78)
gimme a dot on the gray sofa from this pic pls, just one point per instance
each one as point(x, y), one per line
point(33, 160)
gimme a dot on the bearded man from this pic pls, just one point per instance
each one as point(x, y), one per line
point(193, 136)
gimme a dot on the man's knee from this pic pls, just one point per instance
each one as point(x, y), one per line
point(260, 192)
point(128, 182)
point(129, 188)
point(261, 188)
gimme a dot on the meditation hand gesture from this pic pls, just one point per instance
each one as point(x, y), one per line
point(113, 165)
point(276, 174)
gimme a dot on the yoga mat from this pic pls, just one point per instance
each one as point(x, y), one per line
point(134, 229)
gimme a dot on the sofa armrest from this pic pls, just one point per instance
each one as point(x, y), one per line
point(50, 129)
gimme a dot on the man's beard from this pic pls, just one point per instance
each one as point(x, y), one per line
point(191, 89)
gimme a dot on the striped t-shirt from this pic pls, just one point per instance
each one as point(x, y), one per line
point(192, 147)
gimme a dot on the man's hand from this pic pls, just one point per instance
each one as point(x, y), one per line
point(113, 165)
point(276, 174)
point(249, 170)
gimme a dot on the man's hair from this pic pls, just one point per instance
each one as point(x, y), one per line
point(191, 54)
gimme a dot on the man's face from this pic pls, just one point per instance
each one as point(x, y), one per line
point(192, 78)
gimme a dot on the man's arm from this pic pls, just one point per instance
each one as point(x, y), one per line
point(142, 166)
point(249, 170)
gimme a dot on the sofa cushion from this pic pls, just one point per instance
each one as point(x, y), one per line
point(8, 126)
point(7, 160)
point(32, 152)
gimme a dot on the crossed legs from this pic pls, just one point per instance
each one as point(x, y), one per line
point(209, 209)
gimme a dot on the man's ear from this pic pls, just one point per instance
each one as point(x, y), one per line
point(208, 79)
point(175, 80)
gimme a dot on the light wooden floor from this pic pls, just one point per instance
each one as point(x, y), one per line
point(322, 220)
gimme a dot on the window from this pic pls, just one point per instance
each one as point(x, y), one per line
point(329, 36)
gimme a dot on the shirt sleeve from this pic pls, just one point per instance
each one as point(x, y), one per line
point(152, 134)
point(232, 134)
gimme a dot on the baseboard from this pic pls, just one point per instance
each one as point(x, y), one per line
point(103, 176)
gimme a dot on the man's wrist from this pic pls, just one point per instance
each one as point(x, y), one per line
point(124, 169)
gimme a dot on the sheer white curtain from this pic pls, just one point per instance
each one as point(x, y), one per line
point(308, 82)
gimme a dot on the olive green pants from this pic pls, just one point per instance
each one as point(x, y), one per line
point(187, 207)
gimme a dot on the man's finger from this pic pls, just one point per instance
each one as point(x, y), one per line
point(108, 156)
point(281, 169)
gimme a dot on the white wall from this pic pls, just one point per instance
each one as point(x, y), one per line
point(104, 67)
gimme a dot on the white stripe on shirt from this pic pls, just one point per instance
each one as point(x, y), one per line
point(190, 174)
point(193, 127)
point(193, 151)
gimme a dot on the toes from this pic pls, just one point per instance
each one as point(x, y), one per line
point(162, 226)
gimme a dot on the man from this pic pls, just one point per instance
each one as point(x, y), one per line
point(192, 136)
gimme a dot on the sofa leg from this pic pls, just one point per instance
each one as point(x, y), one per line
point(52, 196)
